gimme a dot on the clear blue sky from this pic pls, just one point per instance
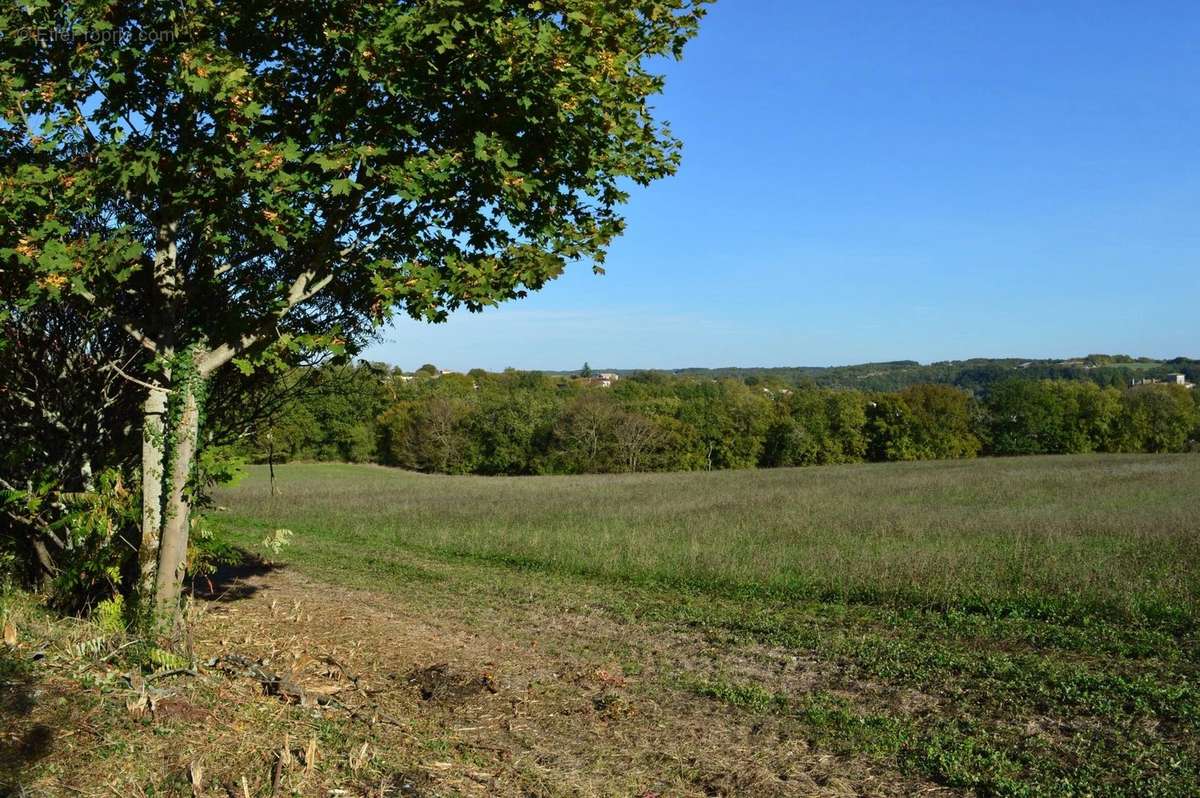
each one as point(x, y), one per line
point(892, 180)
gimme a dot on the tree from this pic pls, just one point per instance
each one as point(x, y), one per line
point(1194, 438)
point(584, 438)
point(514, 415)
point(1157, 418)
point(817, 425)
point(1023, 418)
point(231, 182)
point(334, 415)
point(586, 371)
point(891, 433)
point(634, 437)
point(1051, 417)
point(922, 422)
point(730, 422)
point(942, 419)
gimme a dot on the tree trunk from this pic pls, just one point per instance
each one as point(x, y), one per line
point(153, 444)
point(46, 569)
point(172, 549)
point(271, 460)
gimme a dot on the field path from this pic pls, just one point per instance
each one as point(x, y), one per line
point(521, 697)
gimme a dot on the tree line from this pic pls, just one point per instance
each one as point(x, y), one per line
point(973, 374)
point(517, 423)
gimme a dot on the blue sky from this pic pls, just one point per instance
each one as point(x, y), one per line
point(892, 180)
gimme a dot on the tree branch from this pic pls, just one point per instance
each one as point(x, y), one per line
point(144, 340)
point(134, 380)
point(304, 288)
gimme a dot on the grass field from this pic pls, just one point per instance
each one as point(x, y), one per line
point(1066, 538)
point(1008, 626)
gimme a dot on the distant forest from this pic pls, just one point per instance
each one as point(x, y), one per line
point(577, 422)
point(974, 375)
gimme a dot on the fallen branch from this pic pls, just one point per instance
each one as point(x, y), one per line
point(272, 683)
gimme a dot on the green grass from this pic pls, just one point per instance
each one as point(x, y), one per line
point(1112, 536)
point(1011, 627)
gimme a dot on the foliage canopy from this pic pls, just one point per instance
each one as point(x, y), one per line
point(256, 182)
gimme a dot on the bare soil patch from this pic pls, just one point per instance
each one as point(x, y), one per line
point(528, 699)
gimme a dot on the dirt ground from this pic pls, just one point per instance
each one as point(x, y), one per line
point(307, 688)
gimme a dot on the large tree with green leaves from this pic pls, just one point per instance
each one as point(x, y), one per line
point(234, 181)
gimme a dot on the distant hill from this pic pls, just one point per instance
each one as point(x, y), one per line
point(974, 374)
